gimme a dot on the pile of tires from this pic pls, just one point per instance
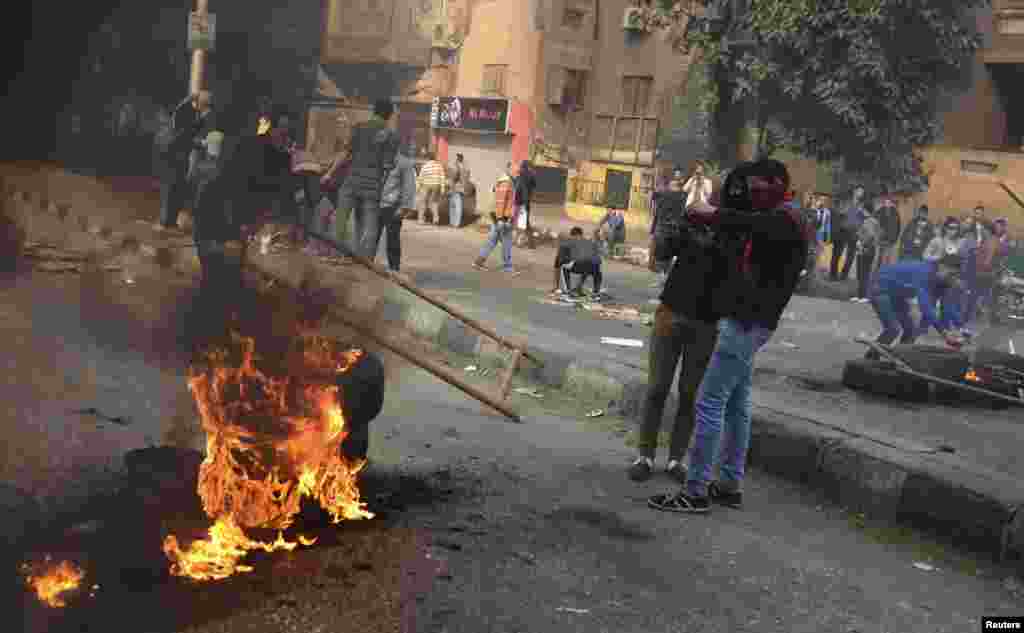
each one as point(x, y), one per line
point(880, 377)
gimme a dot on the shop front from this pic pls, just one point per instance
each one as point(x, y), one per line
point(489, 133)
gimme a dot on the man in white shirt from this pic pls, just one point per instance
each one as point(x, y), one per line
point(698, 187)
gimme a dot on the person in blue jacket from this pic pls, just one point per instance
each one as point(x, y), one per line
point(898, 283)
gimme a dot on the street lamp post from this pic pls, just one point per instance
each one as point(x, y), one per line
point(197, 77)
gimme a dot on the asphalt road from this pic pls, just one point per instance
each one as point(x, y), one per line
point(504, 527)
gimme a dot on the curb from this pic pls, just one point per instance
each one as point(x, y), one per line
point(933, 491)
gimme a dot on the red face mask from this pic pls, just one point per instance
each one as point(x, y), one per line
point(767, 193)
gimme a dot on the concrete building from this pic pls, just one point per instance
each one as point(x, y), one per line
point(587, 98)
point(981, 158)
point(559, 82)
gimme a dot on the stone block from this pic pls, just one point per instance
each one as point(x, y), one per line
point(788, 446)
point(864, 475)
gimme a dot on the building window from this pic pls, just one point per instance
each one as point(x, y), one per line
point(494, 80)
point(567, 87)
point(575, 91)
point(636, 95)
point(573, 17)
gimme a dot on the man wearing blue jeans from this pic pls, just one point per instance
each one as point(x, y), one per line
point(459, 178)
point(765, 248)
point(501, 228)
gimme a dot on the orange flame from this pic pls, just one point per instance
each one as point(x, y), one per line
point(972, 376)
point(270, 441)
point(52, 582)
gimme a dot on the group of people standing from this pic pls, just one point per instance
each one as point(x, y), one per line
point(733, 260)
point(876, 238)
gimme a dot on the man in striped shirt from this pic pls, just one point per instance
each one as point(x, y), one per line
point(432, 182)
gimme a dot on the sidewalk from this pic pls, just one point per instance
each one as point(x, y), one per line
point(884, 456)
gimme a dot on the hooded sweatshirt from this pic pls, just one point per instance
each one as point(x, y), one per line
point(763, 252)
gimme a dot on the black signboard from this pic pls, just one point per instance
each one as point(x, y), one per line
point(467, 113)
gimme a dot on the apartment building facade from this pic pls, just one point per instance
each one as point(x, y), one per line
point(587, 96)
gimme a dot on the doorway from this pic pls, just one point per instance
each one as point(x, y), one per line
point(617, 185)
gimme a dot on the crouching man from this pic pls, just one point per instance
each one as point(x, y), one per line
point(763, 249)
point(925, 281)
point(577, 256)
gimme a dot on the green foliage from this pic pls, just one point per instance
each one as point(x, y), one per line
point(856, 81)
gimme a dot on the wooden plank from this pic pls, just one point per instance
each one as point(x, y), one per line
point(427, 364)
point(506, 381)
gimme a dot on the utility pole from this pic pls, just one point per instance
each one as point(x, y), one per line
point(198, 76)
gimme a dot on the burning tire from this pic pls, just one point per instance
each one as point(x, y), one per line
point(881, 378)
point(363, 391)
point(936, 361)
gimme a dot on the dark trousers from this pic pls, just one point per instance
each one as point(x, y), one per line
point(364, 206)
point(894, 313)
point(674, 336)
point(978, 292)
point(865, 270)
point(842, 242)
point(390, 221)
point(173, 193)
point(586, 269)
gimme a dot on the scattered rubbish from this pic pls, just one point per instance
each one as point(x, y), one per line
point(529, 391)
point(946, 448)
point(596, 413)
point(789, 345)
point(93, 411)
point(573, 610)
point(471, 368)
point(622, 342)
point(58, 267)
point(129, 280)
point(924, 566)
point(526, 557)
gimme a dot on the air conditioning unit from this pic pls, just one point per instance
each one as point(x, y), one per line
point(634, 19)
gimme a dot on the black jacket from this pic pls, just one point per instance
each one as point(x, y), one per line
point(762, 255)
point(214, 202)
point(699, 269)
point(889, 218)
point(916, 237)
point(525, 183)
point(374, 151)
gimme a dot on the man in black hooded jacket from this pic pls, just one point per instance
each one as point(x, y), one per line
point(763, 251)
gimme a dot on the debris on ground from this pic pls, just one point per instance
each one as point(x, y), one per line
point(573, 610)
point(924, 566)
point(529, 391)
point(596, 413)
point(471, 368)
point(622, 342)
point(526, 557)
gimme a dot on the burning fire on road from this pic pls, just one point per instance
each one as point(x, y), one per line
point(52, 582)
point(274, 429)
